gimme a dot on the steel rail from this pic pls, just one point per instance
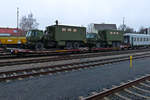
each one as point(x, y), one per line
point(106, 93)
point(22, 73)
point(54, 58)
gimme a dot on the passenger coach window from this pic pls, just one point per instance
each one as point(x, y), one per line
point(134, 39)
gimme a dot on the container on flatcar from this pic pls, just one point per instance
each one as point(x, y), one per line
point(111, 38)
point(65, 36)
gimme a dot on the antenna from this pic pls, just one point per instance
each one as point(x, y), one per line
point(17, 17)
point(56, 22)
point(123, 23)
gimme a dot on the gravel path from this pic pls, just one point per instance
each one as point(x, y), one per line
point(71, 85)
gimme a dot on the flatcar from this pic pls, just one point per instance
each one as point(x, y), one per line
point(132, 40)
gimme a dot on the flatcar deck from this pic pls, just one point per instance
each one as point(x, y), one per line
point(29, 51)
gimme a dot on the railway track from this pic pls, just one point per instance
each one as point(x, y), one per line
point(20, 61)
point(138, 89)
point(30, 72)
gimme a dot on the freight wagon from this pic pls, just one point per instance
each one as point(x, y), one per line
point(12, 40)
point(12, 37)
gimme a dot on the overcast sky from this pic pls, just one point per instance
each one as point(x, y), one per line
point(77, 12)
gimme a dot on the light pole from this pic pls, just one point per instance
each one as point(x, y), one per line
point(17, 17)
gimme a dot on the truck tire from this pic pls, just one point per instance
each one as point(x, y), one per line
point(98, 45)
point(76, 45)
point(69, 45)
point(39, 46)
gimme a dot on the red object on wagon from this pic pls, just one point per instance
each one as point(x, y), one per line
point(11, 32)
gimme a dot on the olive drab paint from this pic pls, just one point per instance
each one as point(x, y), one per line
point(105, 38)
point(63, 33)
point(58, 36)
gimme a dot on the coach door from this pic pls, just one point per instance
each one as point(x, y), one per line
point(132, 41)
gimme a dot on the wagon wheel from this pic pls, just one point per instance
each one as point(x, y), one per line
point(39, 46)
point(69, 45)
point(98, 45)
point(76, 45)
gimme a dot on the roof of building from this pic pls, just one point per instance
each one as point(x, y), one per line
point(105, 26)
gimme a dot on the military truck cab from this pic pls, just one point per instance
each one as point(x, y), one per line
point(93, 40)
point(34, 39)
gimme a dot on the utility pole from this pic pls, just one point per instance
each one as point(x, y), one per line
point(123, 23)
point(17, 17)
point(17, 21)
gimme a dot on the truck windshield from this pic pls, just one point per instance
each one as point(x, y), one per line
point(90, 35)
point(28, 34)
point(31, 33)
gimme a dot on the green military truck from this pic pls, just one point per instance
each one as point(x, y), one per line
point(105, 38)
point(34, 39)
point(57, 36)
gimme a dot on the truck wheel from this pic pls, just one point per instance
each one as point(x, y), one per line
point(39, 46)
point(76, 45)
point(69, 45)
point(98, 45)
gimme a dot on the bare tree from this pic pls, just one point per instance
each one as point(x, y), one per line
point(126, 29)
point(142, 30)
point(129, 30)
point(28, 22)
point(122, 27)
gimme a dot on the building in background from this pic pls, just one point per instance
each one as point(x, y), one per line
point(94, 28)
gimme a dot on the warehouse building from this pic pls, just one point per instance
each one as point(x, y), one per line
point(94, 28)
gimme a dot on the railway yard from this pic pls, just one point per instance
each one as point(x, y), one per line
point(74, 50)
point(66, 63)
point(107, 75)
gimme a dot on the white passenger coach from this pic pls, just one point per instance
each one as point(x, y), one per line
point(136, 40)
